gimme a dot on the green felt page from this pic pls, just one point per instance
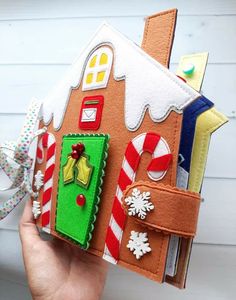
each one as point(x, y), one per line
point(73, 221)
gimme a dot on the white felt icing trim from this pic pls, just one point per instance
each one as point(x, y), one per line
point(149, 85)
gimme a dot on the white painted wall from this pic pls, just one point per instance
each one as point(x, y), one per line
point(40, 39)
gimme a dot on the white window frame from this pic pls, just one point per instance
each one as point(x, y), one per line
point(98, 68)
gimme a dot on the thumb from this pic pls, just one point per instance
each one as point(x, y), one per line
point(28, 231)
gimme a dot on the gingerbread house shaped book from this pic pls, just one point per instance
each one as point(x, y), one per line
point(108, 154)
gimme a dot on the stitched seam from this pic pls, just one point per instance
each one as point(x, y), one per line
point(203, 140)
point(171, 12)
point(162, 187)
point(165, 229)
point(146, 34)
point(160, 255)
point(172, 182)
point(169, 39)
point(162, 13)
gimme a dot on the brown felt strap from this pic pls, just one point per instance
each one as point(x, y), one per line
point(175, 211)
point(159, 35)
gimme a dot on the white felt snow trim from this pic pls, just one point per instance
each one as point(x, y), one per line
point(38, 183)
point(149, 85)
point(138, 244)
point(139, 203)
point(36, 209)
point(38, 180)
point(98, 68)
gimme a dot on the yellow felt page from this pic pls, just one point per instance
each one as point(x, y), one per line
point(192, 68)
point(207, 123)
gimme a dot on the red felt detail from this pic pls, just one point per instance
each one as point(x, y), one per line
point(160, 163)
point(184, 80)
point(123, 180)
point(75, 154)
point(77, 150)
point(94, 124)
point(51, 151)
point(74, 147)
point(45, 139)
point(118, 213)
point(78, 147)
point(45, 218)
point(47, 195)
point(49, 172)
point(150, 142)
point(112, 243)
point(80, 200)
point(132, 156)
point(39, 153)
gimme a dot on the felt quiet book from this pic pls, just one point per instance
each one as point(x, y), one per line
point(121, 151)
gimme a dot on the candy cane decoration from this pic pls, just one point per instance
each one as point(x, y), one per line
point(48, 142)
point(161, 158)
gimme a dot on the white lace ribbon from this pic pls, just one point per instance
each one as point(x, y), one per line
point(16, 162)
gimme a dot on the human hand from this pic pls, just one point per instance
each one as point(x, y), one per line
point(56, 269)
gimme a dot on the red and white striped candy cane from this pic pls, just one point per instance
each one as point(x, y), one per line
point(161, 158)
point(48, 142)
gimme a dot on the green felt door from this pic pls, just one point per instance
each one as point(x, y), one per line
point(72, 220)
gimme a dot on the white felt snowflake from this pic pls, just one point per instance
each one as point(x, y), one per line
point(36, 209)
point(138, 244)
point(139, 203)
point(38, 177)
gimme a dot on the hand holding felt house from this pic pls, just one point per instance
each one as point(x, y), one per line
point(120, 119)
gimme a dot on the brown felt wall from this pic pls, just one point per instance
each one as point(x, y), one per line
point(153, 264)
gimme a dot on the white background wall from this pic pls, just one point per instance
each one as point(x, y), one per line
point(40, 39)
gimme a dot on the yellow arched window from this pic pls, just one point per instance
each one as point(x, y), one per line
point(98, 69)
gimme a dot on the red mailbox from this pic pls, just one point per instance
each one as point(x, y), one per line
point(91, 112)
